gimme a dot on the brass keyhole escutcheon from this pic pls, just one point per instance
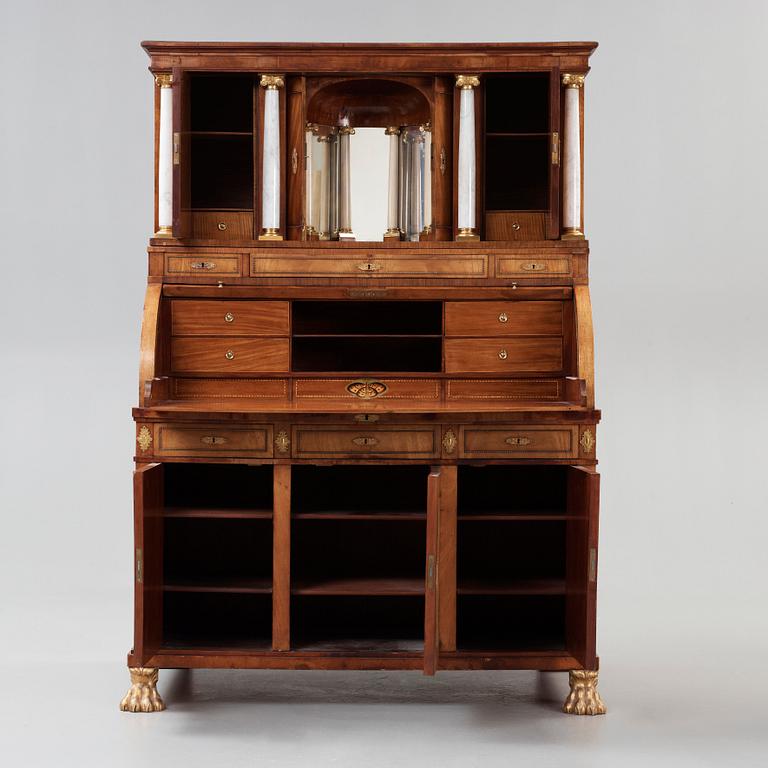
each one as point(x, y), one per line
point(503, 317)
point(503, 354)
point(222, 226)
point(229, 354)
point(229, 318)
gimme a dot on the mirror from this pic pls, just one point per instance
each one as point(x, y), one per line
point(368, 163)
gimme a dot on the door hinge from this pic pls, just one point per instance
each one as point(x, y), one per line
point(555, 148)
point(592, 564)
point(431, 572)
point(176, 148)
point(139, 566)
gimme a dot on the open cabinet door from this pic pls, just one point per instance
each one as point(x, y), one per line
point(148, 561)
point(555, 151)
point(581, 564)
point(430, 583)
point(182, 155)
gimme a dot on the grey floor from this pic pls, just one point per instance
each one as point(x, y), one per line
point(668, 713)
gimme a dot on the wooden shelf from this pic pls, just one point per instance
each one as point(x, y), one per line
point(353, 515)
point(240, 586)
point(359, 586)
point(367, 336)
point(217, 514)
point(514, 133)
point(221, 133)
point(517, 587)
point(511, 516)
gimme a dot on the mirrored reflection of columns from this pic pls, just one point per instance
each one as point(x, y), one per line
point(427, 223)
point(467, 157)
point(345, 184)
point(323, 192)
point(310, 232)
point(163, 81)
point(270, 173)
point(572, 158)
point(393, 185)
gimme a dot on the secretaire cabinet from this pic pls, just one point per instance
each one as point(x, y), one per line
point(366, 426)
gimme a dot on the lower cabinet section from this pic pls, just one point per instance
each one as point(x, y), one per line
point(425, 565)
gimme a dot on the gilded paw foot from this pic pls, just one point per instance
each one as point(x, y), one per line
point(583, 698)
point(142, 696)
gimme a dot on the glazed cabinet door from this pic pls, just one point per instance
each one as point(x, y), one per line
point(148, 491)
point(182, 155)
point(583, 495)
point(556, 141)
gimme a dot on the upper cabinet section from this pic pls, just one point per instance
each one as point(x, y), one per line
point(390, 143)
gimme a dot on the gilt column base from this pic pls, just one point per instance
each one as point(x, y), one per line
point(142, 696)
point(583, 698)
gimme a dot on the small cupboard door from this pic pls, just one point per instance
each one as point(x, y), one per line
point(555, 150)
point(583, 495)
point(148, 560)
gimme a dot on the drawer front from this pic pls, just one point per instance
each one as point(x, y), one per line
point(532, 266)
point(504, 389)
point(229, 318)
point(213, 440)
point(367, 389)
point(206, 264)
point(521, 442)
point(215, 389)
point(511, 225)
point(222, 225)
point(457, 266)
point(224, 355)
point(404, 442)
point(503, 318)
point(513, 354)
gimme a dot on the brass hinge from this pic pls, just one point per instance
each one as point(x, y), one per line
point(139, 565)
point(176, 148)
point(593, 564)
point(555, 148)
point(431, 572)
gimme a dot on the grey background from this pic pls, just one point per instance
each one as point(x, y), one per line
point(675, 211)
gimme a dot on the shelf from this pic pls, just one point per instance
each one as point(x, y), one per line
point(488, 516)
point(367, 336)
point(218, 514)
point(362, 645)
point(220, 133)
point(517, 587)
point(342, 514)
point(391, 587)
point(515, 133)
point(230, 586)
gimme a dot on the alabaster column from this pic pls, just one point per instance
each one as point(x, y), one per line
point(345, 184)
point(393, 181)
point(467, 157)
point(417, 200)
point(270, 169)
point(323, 192)
point(427, 226)
point(163, 81)
point(572, 158)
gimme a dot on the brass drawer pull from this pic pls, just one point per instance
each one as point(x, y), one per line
point(503, 354)
point(503, 317)
point(229, 318)
point(213, 440)
point(515, 227)
point(369, 266)
point(202, 265)
point(366, 440)
point(367, 389)
point(518, 441)
point(229, 354)
point(222, 226)
point(535, 266)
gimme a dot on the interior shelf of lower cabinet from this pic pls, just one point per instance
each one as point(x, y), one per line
point(217, 490)
point(232, 585)
point(513, 587)
point(357, 623)
point(359, 586)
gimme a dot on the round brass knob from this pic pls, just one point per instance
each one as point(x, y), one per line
point(515, 226)
point(230, 355)
point(222, 226)
point(229, 317)
point(502, 354)
point(503, 317)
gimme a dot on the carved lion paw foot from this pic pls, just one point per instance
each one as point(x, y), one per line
point(583, 698)
point(142, 696)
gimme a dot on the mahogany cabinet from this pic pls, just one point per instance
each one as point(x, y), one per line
point(366, 429)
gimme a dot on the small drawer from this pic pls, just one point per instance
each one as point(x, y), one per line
point(532, 266)
point(222, 225)
point(229, 318)
point(523, 442)
point(403, 442)
point(198, 388)
point(228, 355)
point(504, 389)
point(366, 389)
point(369, 265)
point(208, 264)
point(512, 354)
point(503, 318)
point(214, 440)
point(515, 225)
